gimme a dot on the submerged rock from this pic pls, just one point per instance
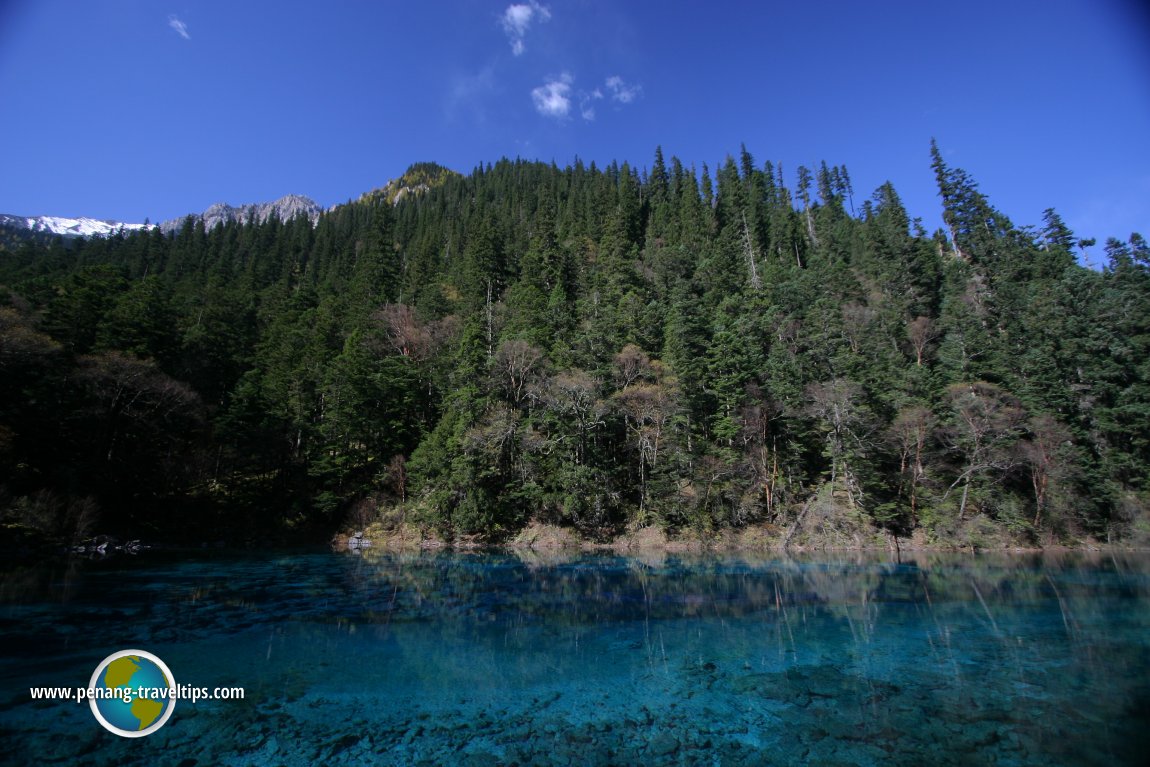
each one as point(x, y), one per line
point(664, 744)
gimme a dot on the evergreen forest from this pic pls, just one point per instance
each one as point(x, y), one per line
point(704, 350)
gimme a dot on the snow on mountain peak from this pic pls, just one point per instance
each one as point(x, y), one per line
point(70, 227)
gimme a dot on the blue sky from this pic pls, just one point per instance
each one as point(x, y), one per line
point(134, 109)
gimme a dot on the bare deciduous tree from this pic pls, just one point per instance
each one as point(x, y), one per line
point(572, 396)
point(984, 425)
point(494, 436)
point(396, 473)
point(647, 410)
point(838, 405)
point(921, 331)
point(760, 447)
point(517, 363)
point(856, 317)
point(631, 364)
point(406, 335)
point(1045, 456)
point(910, 431)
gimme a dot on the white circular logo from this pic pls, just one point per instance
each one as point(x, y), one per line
point(132, 693)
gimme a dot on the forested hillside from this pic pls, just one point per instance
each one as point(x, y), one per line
point(598, 348)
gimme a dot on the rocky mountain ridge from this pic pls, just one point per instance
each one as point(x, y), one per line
point(285, 208)
point(417, 179)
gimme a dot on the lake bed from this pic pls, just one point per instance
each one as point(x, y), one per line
point(488, 658)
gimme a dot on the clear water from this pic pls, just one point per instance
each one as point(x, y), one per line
point(486, 659)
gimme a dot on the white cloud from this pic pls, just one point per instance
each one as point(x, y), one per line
point(557, 96)
point(518, 18)
point(180, 27)
point(586, 104)
point(621, 91)
point(553, 98)
point(468, 93)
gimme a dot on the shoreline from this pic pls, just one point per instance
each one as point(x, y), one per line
point(543, 539)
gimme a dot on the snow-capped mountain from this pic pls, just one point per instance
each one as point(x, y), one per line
point(69, 227)
point(285, 208)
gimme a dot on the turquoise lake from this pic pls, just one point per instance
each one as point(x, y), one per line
point(592, 659)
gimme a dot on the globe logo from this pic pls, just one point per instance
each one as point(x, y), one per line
point(130, 693)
